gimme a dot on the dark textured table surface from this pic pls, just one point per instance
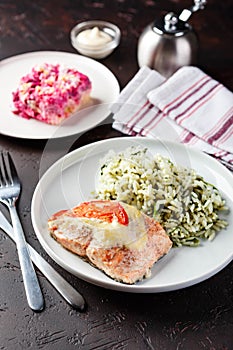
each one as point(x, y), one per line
point(194, 318)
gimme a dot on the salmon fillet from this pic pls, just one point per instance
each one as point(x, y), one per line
point(70, 232)
point(124, 248)
point(131, 265)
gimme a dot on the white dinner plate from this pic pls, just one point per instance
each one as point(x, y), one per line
point(105, 90)
point(72, 179)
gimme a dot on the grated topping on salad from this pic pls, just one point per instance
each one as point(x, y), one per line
point(51, 93)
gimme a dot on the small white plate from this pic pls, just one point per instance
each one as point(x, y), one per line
point(105, 90)
point(72, 180)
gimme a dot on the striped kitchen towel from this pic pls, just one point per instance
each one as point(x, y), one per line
point(189, 107)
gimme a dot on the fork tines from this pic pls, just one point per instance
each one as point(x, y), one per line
point(7, 169)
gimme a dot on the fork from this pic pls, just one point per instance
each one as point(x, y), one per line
point(10, 188)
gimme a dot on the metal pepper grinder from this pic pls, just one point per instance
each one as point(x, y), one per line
point(170, 43)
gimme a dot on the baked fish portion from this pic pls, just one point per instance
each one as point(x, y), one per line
point(115, 237)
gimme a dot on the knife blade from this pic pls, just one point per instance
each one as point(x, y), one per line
point(71, 295)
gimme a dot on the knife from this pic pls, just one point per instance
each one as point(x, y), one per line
point(71, 295)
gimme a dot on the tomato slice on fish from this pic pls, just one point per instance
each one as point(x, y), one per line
point(103, 210)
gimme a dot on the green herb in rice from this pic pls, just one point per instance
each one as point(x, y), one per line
point(185, 204)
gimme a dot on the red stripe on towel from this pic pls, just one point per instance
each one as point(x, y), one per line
point(206, 78)
point(223, 134)
point(188, 137)
point(153, 123)
point(207, 96)
point(225, 117)
point(137, 113)
point(141, 116)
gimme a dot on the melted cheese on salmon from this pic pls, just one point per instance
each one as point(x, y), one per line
point(104, 234)
point(108, 235)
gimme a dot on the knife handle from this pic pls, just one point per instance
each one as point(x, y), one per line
point(71, 295)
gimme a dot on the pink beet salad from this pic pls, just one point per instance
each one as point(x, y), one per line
point(51, 93)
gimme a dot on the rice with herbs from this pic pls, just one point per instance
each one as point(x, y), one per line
point(185, 204)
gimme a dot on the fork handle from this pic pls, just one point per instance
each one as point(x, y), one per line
point(31, 283)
